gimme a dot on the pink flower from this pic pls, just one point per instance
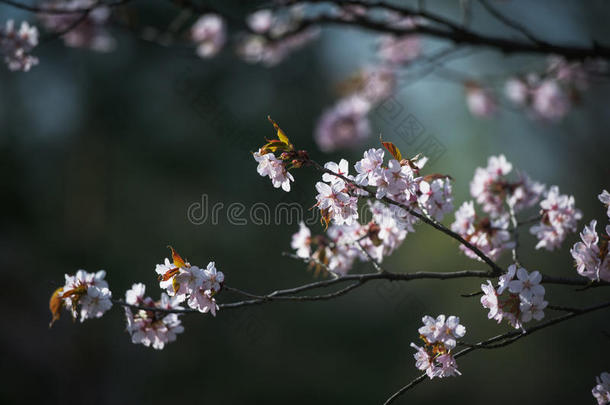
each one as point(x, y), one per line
point(527, 284)
point(203, 301)
point(490, 301)
point(591, 261)
point(301, 241)
point(369, 167)
point(559, 217)
point(447, 367)
point(269, 165)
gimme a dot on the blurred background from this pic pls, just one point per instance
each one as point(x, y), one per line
point(102, 154)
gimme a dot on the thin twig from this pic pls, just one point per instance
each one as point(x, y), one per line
point(501, 341)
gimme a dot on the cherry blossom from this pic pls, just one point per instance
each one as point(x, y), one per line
point(559, 217)
point(344, 125)
point(517, 301)
point(17, 45)
point(342, 169)
point(489, 235)
point(335, 203)
point(435, 196)
point(269, 165)
point(150, 327)
point(85, 294)
point(534, 308)
point(369, 167)
point(491, 187)
point(591, 256)
point(212, 279)
point(202, 300)
point(601, 392)
point(209, 34)
point(527, 284)
point(301, 241)
point(439, 336)
point(187, 280)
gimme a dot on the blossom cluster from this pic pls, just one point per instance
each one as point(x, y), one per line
point(184, 282)
point(16, 45)
point(495, 191)
point(343, 244)
point(85, 294)
point(269, 165)
point(547, 95)
point(591, 254)
point(499, 194)
point(440, 338)
point(79, 30)
point(155, 326)
point(559, 217)
point(551, 95)
point(518, 299)
point(601, 392)
point(399, 181)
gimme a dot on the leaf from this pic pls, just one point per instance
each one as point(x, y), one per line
point(393, 149)
point(281, 135)
point(55, 304)
point(274, 145)
point(178, 260)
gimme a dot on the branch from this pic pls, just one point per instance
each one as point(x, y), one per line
point(450, 31)
point(511, 23)
point(497, 270)
point(501, 341)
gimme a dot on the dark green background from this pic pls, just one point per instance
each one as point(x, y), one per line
point(101, 155)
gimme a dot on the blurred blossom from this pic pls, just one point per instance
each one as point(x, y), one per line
point(344, 125)
point(378, 84)
point(270, 52)
point(481, 102)
point(260, 21)
point(516, 91)
point(209, 34)
point(398, 50)
point(88, 33)
point(550, 101)
point(16, 46)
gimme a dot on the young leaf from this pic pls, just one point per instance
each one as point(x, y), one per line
point(281, 135)
point(393, 149)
